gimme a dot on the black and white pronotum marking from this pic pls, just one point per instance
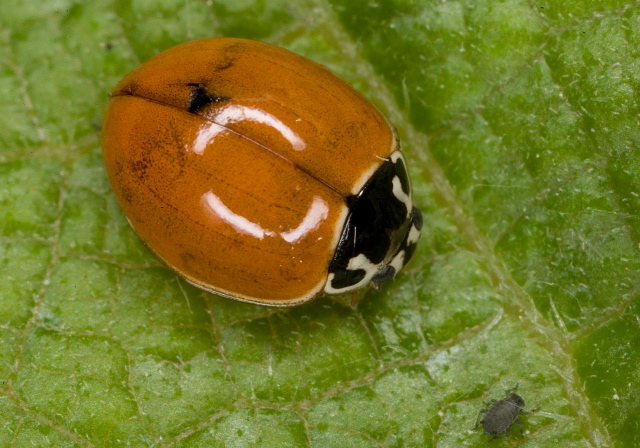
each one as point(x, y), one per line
point(381, 231)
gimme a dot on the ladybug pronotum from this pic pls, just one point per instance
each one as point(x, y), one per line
point(257, 174)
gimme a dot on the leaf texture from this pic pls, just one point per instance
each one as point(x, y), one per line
point(520, 124)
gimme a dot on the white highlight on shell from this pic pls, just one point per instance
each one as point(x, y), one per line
point(206, 133)
point(316, 215)
point(234, 113)
point(239, 223)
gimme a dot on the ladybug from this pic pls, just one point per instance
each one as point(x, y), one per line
point(257, 174)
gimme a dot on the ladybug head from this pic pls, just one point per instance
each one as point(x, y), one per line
point(381, 231)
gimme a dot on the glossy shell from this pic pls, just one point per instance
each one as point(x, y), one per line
point(234, 162)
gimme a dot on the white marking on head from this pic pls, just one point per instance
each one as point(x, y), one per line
point(414, 235)
point(403, 197)
point(397, 155)
point(400, 194)
point(358, 262)
point(362, 262)
point(329, 289)
point(398, 261)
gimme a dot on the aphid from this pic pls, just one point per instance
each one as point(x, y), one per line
point(499, 416)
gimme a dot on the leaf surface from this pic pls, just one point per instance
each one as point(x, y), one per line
point(520, 123)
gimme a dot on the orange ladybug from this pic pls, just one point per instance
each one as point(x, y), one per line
point(257, 174)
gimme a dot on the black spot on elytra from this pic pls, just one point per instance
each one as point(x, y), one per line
point(235, 48)
point(200, 98)
point(139, 168)
point(226, 64)
point(187, 258)
point(126, 194)
point(130, 89)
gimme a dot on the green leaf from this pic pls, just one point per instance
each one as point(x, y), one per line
point(520, 123)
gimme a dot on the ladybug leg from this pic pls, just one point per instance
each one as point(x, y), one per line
point(478, 420)
point(355, 299)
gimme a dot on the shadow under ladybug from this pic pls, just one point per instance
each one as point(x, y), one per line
point(499, 416)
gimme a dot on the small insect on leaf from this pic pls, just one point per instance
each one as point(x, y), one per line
point(499, 416)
